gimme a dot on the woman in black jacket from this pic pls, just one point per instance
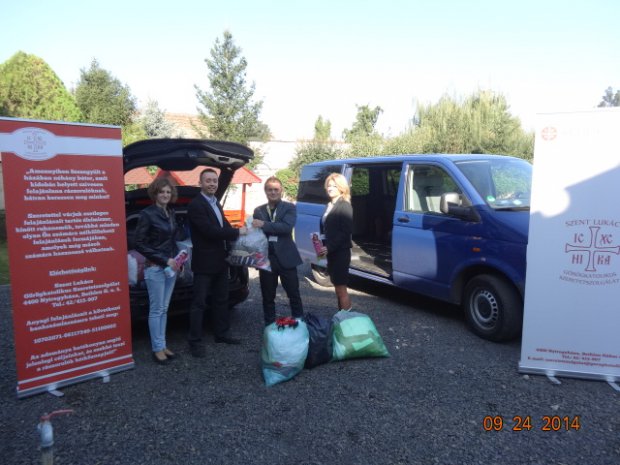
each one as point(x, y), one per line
point(336, 227)
point(155, 238)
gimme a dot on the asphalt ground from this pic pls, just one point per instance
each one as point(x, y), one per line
point(426, 404)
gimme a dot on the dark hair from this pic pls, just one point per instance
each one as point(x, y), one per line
point(271, 180)
point(207, 170)
point(158, 184)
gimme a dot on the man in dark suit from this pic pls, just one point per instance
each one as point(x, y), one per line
point(277, 220)
point(210, 232)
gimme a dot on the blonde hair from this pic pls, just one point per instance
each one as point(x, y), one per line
point(341, 184)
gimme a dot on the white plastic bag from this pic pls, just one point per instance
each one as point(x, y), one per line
point(284, 351)
point(251, 249)
point(132, 265)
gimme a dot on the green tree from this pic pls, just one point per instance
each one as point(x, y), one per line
point(409, 142)
point(30, 89)
point(153, 121)
point(364, 124)
point(481, 123)
point(133, 132)
point(322, 129)
point(364, 140)
point(259, 156)
point(103, 99)
point(610, 99)
point(229, 110)
point(312, 151)
point(290, 181)
point(367, 146)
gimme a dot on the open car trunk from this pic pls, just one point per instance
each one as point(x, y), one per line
point(178, 155)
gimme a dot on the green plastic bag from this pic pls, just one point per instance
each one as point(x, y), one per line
point(355, 336)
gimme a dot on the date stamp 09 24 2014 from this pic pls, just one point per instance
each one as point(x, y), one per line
point(526, 423)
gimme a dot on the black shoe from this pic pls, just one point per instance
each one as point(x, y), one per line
point(227, 340)
point(197, 350)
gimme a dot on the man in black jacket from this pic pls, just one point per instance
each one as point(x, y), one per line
point(277, 220)
point(210, 230)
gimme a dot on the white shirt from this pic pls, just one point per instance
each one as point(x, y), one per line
point(213, 202)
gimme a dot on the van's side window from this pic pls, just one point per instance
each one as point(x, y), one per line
point(425, 185)
point(312, 183)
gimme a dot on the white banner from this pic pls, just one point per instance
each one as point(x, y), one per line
point(571, 321)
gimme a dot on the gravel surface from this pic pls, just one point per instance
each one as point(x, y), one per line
point(423, 405)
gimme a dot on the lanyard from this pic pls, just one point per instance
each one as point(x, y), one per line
point(272, 215)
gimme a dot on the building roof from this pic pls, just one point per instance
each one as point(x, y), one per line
point(138, 176)
point(190, 178)
point(245, 176)
point(186, 124)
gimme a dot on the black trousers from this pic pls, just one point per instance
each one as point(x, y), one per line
point(209, 289)
point(269, 284)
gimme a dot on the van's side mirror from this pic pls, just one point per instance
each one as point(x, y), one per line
point(451, 204)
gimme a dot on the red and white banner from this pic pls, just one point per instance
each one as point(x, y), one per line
point(65, 220)
point(571, 323)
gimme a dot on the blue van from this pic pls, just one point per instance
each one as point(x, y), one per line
point(451, 227)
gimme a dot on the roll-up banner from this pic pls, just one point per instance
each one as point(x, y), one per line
point(65, 221)
point(571, 322)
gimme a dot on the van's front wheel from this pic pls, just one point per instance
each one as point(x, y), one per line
point(493, 308)
point(319, 274)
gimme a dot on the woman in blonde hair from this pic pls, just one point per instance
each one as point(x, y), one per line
point(336, 228)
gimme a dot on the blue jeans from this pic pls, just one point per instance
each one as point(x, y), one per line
point(160, 290)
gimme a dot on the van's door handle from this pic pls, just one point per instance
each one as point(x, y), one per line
point(403, 219)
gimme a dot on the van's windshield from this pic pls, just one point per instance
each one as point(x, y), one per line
point(504, 184)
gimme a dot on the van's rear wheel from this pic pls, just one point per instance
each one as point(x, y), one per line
point(319, 274)
point(493, 308)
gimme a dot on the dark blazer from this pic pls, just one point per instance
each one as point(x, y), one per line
point(338, 226)
point(208, 237)
point(285, 219)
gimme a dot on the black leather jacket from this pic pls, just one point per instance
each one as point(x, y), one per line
point(156, 235)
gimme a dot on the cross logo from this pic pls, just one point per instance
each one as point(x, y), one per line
point(34, 144)
point(593, 250)
point(35, 141)
point(549, 133)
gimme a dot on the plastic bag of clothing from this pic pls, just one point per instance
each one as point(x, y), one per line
point(355, 336)
point(251, 249)
point(135, 266)
point(320, 345)
point(285, 346)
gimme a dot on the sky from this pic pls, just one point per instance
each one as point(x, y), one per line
point(326, 57)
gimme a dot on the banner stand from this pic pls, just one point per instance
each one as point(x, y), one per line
point(614, 385)
point(571, 314)
point(67, 247)
point(54, 388)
